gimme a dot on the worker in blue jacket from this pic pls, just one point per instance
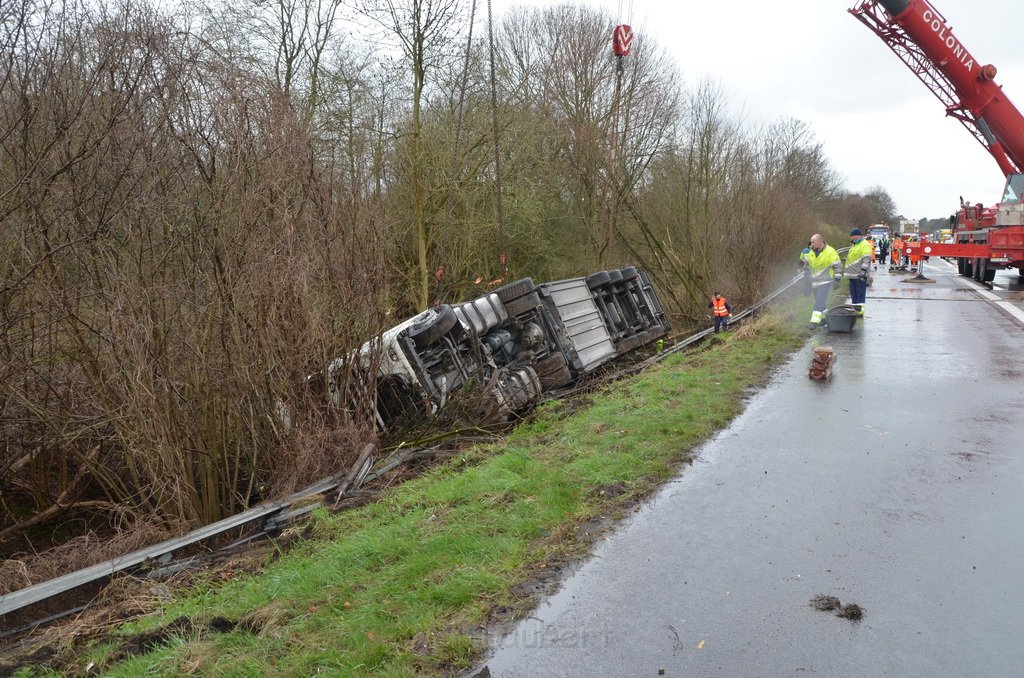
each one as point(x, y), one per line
point(858, 268)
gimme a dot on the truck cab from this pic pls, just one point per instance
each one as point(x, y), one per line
point(1011, 207)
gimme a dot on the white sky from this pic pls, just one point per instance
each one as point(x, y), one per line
point(812, 60)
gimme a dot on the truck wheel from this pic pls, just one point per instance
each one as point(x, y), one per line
point(629, 273)
point(516, 289)
point(596, 280)
point(523, 304)
point(630, 343)
point(615, 275)
point(559, 377)
point(433, 326)
point(553, 371)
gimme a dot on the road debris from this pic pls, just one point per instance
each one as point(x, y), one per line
point(821, 363)
point(851, 611)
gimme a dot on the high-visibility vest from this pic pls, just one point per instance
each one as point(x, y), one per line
point(824, 265)
point(897, 250)
point(858, 258)
point(719, 306)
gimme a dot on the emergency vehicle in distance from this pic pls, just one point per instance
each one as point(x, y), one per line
point(511, 345)
point(985, 238)
point(878, 232)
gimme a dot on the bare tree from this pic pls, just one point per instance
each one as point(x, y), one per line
point(605, 124)
point(424, 30)
point(178, 265)
point(883, 204)
point(680, 216)
point(728, 208)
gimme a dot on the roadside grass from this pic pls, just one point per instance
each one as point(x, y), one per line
point(405, 586)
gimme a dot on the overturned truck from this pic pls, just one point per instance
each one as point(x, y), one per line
point(510, 346)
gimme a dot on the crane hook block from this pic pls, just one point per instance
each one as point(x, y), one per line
point(622, 40)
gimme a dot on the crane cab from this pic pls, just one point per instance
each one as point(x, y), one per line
point(1011, 207)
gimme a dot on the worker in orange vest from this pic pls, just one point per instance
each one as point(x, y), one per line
point(914, 259)
point(721, 309)
point(897, 251)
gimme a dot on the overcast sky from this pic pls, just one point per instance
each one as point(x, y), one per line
point(814, 61)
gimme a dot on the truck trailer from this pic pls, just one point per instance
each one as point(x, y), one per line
point(510, 346)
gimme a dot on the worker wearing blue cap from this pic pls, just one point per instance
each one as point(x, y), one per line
point(858, 268)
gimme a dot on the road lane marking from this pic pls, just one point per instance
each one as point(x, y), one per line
point(995, 299)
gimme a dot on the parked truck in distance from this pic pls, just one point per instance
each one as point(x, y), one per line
point(509, 346)
point(879, 232)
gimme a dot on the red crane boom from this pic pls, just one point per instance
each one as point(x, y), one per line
point(922, 38)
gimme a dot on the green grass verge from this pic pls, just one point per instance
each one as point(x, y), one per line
point(396, 588)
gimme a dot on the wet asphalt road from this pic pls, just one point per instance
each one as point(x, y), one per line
point(898, 486)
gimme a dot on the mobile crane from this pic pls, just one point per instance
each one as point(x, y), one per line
point(985, 238)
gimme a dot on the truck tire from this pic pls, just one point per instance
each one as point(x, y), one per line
point(596, 280)
point(516, 289)
point(523, 304)
point(434, 325)
point(630, 343)
point(629, 273)
point(615, 275)
point(553, 371)
point(515, 390)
